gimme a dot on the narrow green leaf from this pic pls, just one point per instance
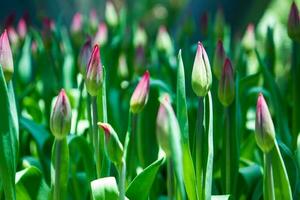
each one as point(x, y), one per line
point(220, 197)
point(8, 142)
point(105, 188)
point(182, 116)
point(140, 187)
point(30, 184)
point(24, 65)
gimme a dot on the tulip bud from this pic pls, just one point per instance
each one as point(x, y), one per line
point(270, 54)
point(226, 90)
point(204, 24)
point(264, 128)
point(114, 146)
point(201, 74)
point(93, 19)
point(6, 59)
point(140, 95)
point(76, 24)
point(94, 77)
point(293, 26)
point(162, 126)
point(163, 41)
point(84, 56)
point(140, 37)
point(60, 120)
point(219, 59)
point(219, 24)
point(122, 66)
point(22, 28)
point(111, 14)
point(249, 38)
point(101, 35)
point(13, 36)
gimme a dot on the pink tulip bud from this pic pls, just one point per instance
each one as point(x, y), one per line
point(22, 28)
point(76, 25)
point(163, 40)
point(293, 25)
point(139, 97)
point(264, 128)
point(219, 59)
point(226, 90)
point(201, 74)
point(6, 59)
point(114, 146)
point(162, 126)
point(60, 120)
point(12, 35)
point(84, 56)
point(249, 38)
point(94, 74)
point(101, 35)
point(93, 19)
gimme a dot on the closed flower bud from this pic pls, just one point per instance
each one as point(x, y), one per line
point(293, 26)
point(101, 35)
point(22, 28)
point(94, 74)
point(219, 59)
point(84, 56)
point(249, 38)
point(201, 74)
point(163, 41)
point(6, 59)
point(76, 25)
point(219, 25)
point(140, 37)
point(140, 95)
point(60, 120)
point(111, 14)
point(13, 36)
point(162, 126)
point(226, 90)
point(264, 128)
point(114, 146)
point(270, 52)
point(93, 19)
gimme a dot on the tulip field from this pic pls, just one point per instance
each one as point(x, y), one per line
point(113, 106)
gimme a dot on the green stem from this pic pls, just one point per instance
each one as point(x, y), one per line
point(57, 187)
point(79, 108)
point(269, 193)
point(227, 152)
point(75, 183)
point(296, 95)
point(122, 181)
point(90, 120)
point(96, 135)
point(170, 180)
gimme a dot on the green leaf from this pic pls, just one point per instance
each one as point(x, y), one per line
point(281, 181)
point(105, 188)
point(8, 138)
point(24, 65)
point(140, 187)
point(30, 184)
point(182, 116)
point(220, 197)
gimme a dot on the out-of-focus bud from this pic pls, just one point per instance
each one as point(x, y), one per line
point(293, 26)
point(140, 61)
point(264, 127)
point(94, 19)
point(163, 126)
point(94, 75)
point(226, 90)
point(219, 24)
point(201, 74)
point(140, 37)
point(76, 25)
point(163, 41)
point(114, 146)
point(204, 24)
point(101, 35)
point(140, 95)
point(84, 56)
point(48, 28)
point(270, 54)
point(22, 28)
point(6, 59)
point(219, 59)
point(13, 36)
point(248, 41)
point(111, 15)
point(122, 67)
point(60, 120)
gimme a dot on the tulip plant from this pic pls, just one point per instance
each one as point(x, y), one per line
point(186, 114)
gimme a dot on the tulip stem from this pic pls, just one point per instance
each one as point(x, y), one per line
point(91, 138)
point(79, 108)
point(122, 179)
point(269, 193)
point(296, 95)
point(96, 135)
point(170, 179)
